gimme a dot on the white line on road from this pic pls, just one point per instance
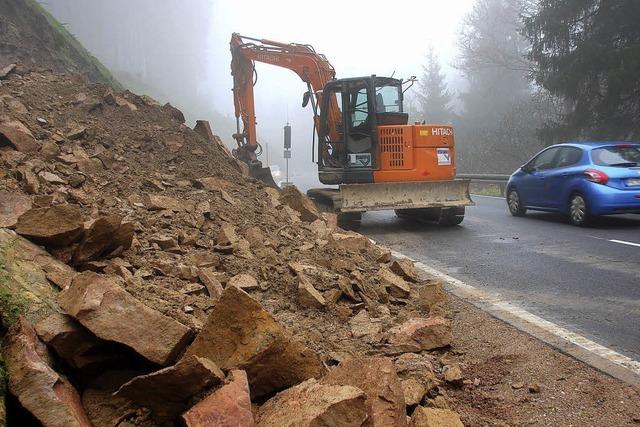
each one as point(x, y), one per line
point(622, 242)
point(497, 306)
point(488, 197)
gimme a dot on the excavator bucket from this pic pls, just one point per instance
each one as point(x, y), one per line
point(404, 195)
point(264, 175)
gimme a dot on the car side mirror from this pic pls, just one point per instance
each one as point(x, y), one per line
point(527, 168)
point(305, 99)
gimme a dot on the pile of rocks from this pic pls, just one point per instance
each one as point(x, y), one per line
point(147, 280)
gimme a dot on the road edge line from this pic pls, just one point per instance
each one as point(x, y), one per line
point(593, 354)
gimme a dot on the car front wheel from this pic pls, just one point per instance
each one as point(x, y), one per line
point(515, 203)
point(579, 211)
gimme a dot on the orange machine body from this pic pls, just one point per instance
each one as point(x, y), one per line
point(415, 153)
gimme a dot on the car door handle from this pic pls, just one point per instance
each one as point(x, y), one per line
point(541, 178)
point(565, 174)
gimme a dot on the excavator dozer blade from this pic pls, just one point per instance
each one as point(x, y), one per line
point(264, 175)
point(404, 195)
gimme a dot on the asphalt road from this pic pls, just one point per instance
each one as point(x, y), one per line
point(578, 278)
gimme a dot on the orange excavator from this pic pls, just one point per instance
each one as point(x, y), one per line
point(365, 145)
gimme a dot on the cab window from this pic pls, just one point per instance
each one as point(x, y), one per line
point(359, 107)
point(388, 99)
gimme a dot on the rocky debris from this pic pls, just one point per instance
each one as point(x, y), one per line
point(314, 404)
point(157, 202)
point(240, 334)
point(163, 241)
point(111, 313)
point(534, 388)
point(433, 417)
point(17, 135)
point(417, 367)
point(40, 390)
point(59, 225)
point(362, 326)
point(106, 410)
point(308, 296)
point(77, 132)
point(421, 334)
point(377, 377)
point(432, 299)
point(12, 206)
point(208, 278)
point(453, 375)
point(404, 267)
point(297, 201)
point(29, 279)
point(196, 223)
point(74, 344)
point(350, 241)
point(228, 406)
point(203, 129)
point(228, 237)
point(5, 71)
point(413, 391)
point(107, 235)
point(394, 284)
point(244, 282)
point(167, 392)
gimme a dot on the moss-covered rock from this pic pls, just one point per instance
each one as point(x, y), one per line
point(24, 287)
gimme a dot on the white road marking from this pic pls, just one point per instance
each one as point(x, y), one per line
point(488, 197)
point(622, 242)
point(465, 291)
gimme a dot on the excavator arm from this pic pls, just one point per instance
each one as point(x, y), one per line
point(313, 68)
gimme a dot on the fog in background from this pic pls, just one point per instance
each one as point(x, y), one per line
point(178, 51)
point(469, 56)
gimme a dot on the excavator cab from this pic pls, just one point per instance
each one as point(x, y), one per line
point(349, 151)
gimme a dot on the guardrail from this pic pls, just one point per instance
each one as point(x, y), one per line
point(488, 179)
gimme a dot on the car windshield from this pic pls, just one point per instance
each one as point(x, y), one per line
point(627, 155)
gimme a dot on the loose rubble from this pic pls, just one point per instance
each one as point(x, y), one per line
point(172, 286)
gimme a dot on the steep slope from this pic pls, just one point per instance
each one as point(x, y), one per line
point(29, 35)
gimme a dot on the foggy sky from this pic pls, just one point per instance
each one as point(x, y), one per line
point(181, 48)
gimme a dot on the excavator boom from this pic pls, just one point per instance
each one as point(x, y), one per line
point(313, 68)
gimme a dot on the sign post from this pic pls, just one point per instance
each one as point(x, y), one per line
point(287, 150)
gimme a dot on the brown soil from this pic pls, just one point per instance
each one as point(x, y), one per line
point(501, 358)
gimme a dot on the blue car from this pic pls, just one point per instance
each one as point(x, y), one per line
point(581, 180)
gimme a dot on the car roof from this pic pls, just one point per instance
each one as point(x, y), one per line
point(595, 144)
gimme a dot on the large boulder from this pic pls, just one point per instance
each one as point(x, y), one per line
point(376, 376)
point(313, 404)
point(228, 406)
point(18, 136)
point(421, 334)
point(48, 396)
point(240, 334)
point(113, 314)
point(59, 225)
point(27, 273)
point(167, 392)
point(106, 235)
point(12, 206)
